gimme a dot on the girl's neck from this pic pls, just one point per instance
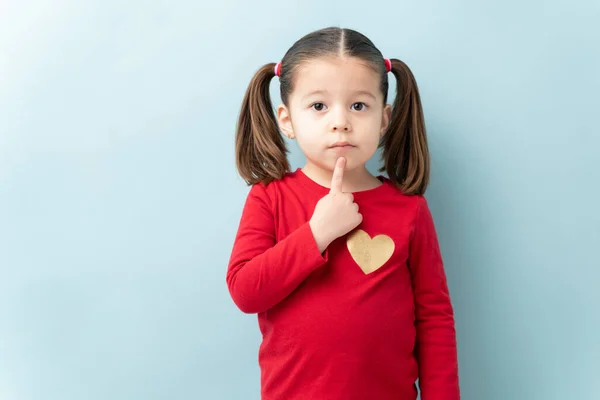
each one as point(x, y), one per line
point(355, 180)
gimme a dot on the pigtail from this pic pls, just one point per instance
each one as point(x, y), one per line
point(405, 153)
point(260, 150)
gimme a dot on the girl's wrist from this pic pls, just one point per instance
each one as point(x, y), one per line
point(321, 239)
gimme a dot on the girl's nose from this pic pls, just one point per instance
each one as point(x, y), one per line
point(341, 127)
point(340, 122)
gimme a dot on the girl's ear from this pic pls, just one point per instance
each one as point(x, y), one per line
point(285, 121)
point(385, 119)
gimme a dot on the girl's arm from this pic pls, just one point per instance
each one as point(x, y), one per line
point(261, 271)
point(436, 348)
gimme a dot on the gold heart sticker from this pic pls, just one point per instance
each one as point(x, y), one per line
point(369, 254)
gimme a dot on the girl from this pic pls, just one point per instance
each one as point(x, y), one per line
point(342, 267)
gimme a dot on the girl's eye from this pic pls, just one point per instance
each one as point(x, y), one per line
point(321, 106)
point(363, 104)
point(318, 108)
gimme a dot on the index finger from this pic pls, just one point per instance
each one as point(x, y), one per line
point(338, 176)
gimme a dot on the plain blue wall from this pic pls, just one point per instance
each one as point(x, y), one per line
point(119, 198)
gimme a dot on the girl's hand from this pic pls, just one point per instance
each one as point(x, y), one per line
point(336, 213)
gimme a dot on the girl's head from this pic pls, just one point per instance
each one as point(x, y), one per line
point(333, 85)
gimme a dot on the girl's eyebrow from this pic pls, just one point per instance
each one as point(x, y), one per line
point(365, 92)
point(313, 93)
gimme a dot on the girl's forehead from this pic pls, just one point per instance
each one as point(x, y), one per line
point(342, 73)
point(325, 67)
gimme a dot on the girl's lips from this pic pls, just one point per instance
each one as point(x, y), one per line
point(342, 147)
point(341, 144)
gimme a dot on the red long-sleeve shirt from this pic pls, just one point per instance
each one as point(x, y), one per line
point(331, 331)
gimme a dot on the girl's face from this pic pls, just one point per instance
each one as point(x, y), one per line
point(336, 109)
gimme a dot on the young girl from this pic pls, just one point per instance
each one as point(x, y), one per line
point(342, 267)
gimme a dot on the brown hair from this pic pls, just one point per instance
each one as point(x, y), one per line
point(261, 153)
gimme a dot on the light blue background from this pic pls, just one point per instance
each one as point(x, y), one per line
point(119, 198)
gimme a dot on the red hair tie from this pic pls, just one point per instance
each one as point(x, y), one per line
point(278, 68)
point(388, 64)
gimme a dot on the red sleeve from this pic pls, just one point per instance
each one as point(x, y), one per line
point(436, 348)
point(261, 271)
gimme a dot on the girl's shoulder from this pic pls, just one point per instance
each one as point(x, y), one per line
point(395, 197)
point(271, 189)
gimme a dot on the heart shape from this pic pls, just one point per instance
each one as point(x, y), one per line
point(369, 254)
